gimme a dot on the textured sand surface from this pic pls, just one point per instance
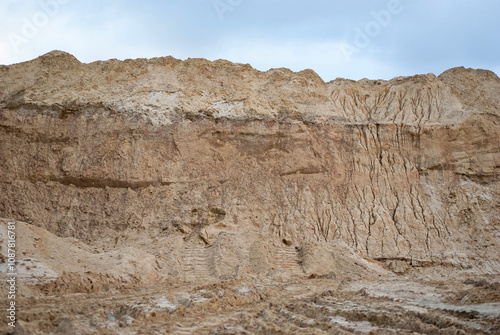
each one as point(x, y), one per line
point(192, 196)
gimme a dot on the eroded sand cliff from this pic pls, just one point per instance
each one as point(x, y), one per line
point(143, 172)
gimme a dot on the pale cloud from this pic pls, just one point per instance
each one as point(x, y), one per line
point(105, 40)
point(425, 37)
point(324, 57)
point(25, 25)
point(5, 57)
point(296, 55)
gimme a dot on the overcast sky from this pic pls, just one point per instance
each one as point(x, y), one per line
point(376, 39)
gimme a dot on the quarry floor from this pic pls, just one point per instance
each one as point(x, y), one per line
point(281, 305)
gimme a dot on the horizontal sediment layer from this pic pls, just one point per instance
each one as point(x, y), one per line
point(113, 153)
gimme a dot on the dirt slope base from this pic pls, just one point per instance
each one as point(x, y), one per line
point(253, 306)
point(240, 284)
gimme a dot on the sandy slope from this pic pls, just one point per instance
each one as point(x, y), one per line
point(192, 196)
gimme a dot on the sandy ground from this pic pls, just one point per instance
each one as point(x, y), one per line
point(300, 305)
point(67, 287)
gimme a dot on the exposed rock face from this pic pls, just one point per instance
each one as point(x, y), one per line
point(134, 153)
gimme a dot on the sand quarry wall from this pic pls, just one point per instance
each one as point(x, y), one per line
point(113, 152)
